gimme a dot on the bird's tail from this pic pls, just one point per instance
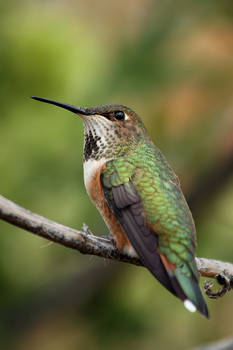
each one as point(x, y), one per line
point(187, 288)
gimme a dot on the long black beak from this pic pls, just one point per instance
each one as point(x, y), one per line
point(77, 110)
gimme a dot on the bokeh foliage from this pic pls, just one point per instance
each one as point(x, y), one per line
point(171, 62)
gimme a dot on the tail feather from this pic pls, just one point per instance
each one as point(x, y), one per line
point(186, 287)
point(190, 291)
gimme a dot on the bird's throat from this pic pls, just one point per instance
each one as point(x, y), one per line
point(103, 139)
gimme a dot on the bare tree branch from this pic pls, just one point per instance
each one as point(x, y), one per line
point(87, 243)
point(224, 344)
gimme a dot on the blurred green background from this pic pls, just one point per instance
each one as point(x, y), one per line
point(172, 62)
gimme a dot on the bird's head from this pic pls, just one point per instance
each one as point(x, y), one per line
point(110, 130)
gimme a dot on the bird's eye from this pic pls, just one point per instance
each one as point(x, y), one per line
point(119, 115)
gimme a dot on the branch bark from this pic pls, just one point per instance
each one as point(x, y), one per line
point(86, 242)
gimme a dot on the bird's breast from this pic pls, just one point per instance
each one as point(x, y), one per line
point(91, 168)
point(92, 173)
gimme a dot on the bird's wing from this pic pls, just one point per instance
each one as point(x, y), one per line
point(124, 200)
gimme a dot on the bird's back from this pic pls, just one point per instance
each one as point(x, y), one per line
point(165, 207)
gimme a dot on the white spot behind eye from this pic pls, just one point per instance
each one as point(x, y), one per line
point(127, 117)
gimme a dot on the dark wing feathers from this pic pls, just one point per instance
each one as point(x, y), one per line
point(125, 202)
point(127, 206)
point(125, 195)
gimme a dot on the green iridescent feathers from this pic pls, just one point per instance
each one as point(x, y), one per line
point(166, 214)
point(165, 207)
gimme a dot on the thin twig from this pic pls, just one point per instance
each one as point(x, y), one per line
point(88, 243)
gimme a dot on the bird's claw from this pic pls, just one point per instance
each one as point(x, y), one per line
point(111, 239)
point(86, 230)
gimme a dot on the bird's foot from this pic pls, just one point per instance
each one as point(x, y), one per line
point(86, 230)
point(110, 238)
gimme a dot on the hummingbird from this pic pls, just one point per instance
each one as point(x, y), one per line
point(139, 197)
